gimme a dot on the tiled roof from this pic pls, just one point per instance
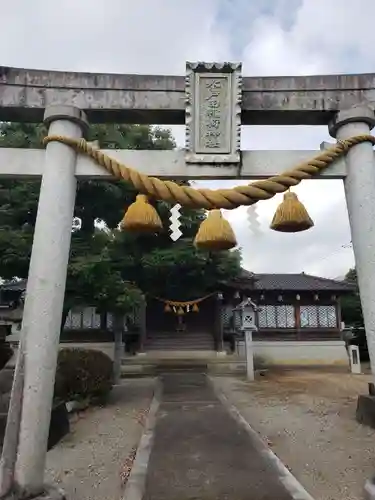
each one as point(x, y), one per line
point(249, 280)
point(297, 282)
point(19, 285)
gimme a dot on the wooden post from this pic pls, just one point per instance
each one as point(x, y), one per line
point(219, 340)
point(118, 328)
point(338, 314)
point(143, 325)
point(297, 318)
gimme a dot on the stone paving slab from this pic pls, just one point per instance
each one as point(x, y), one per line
point(201, 452)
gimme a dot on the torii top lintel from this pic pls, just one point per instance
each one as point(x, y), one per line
point(157, 99)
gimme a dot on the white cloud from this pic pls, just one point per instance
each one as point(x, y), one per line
point(323, 28)
point(272, 53)
point(147, 36)
point(271, 37)
point(321, 38)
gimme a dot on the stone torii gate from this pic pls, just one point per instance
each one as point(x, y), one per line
point(67, 102)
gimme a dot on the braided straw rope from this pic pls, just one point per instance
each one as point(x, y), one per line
point(185, 303)
point(220, 198)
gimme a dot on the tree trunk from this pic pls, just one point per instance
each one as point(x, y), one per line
point(118, 327)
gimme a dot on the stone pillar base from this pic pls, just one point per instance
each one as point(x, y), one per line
point(50, 493)
point(365, 413)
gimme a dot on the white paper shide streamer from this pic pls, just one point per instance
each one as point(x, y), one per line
point(253, 219)
point(175, 222)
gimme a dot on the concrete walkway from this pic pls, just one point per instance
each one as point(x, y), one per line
point(201, 452)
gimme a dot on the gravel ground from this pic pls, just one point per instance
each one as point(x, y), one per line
point(93, 461)
point(308, 419)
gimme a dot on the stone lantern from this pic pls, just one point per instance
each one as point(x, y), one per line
point(245, 314)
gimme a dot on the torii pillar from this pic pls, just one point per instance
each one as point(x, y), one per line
point(360, 199)
point(45, 294)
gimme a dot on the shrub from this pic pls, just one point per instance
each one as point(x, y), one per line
point(83, 374)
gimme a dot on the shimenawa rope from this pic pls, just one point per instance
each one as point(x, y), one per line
point(214, 199)
point(215, 232)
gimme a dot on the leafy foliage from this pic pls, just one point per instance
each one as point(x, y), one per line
point(94, 275)
point(351, 304)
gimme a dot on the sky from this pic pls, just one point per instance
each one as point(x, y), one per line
point(269, 37)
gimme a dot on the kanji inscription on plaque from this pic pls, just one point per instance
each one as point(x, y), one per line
point(213, 121)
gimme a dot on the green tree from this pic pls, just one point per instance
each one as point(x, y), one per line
point(101, 261)
point(95, 200)
point(351, 308)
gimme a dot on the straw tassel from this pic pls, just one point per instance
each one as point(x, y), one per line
point(167, 308)
point(291, 216)
point(215, 233)
point(180, 311)
point(141, 216)
point(195, 308)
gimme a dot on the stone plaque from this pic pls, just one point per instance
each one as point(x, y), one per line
point(213, 112)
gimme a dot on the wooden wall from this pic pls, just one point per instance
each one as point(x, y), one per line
point(296, 315)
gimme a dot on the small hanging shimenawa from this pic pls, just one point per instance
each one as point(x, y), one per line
point(215, 233)
point(180, 309)
point(142, 217)
point(167, 308)
point(291, 215)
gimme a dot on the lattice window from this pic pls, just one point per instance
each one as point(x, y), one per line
point(281, 316)
point(267, 317)
point(68, 321)
point(309, 316)
point(328, 316)
point(226, 317)
point(109, 320)
point(237, 321)
point(318, 316)
point(96, 323)
point(82, 318)
point(87, 317)
point(285, 316)
point(76, 319)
